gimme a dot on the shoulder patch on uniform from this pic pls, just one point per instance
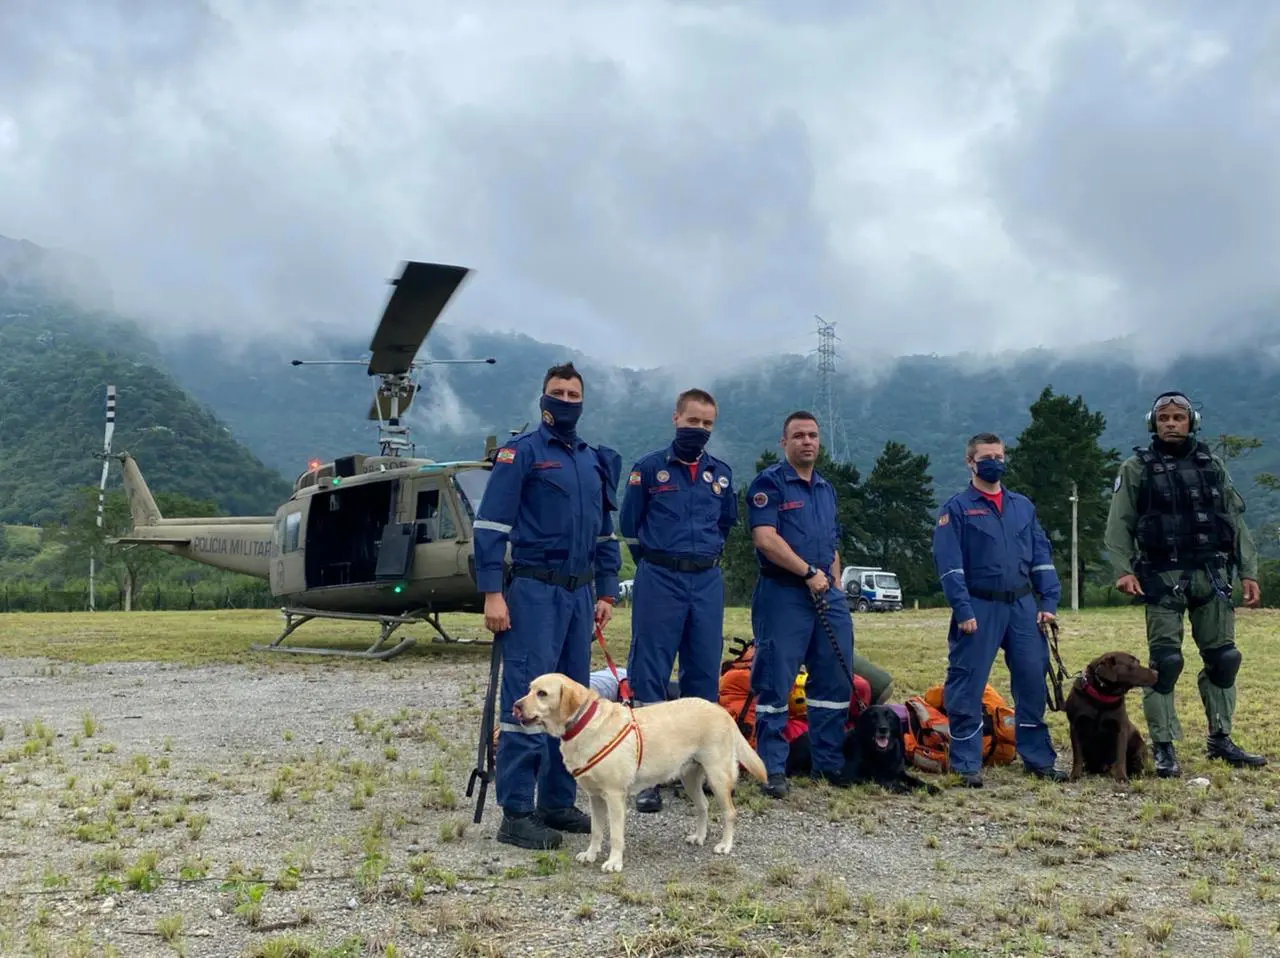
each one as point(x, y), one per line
point(506, 454)
point(944, 518)
point(634, 478)
point(760, 500)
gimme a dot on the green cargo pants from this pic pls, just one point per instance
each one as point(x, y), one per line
point(876, 677)
point(1212, 626)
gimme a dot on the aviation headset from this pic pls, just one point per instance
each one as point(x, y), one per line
point(1176, 397)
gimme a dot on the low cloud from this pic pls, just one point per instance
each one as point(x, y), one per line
point(682, 184)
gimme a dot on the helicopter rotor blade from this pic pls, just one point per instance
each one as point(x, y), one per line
point(420, 296)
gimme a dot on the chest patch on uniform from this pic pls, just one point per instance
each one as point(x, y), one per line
point(667, 487)
point(662, 475)
point(794, 504)
point(706, 477)
point(977, 512)
point(716, 489)
point(633, 479)
point(506, 455)
point(723, 482)
point(760, 500)
point(548, 464)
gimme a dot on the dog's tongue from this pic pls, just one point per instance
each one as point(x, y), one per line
point(882, 739)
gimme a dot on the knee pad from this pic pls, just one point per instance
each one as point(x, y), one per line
point(1168, 665)
point(1221, 665)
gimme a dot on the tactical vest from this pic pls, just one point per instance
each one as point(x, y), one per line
point(1182, 514)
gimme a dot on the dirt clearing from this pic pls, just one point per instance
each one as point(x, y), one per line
point(316, 807)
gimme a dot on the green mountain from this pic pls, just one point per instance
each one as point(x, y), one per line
point(931, 404)
point(55, 364)
point(222, 421)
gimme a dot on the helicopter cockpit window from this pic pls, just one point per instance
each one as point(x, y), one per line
point(292, 523)
point(470, 485)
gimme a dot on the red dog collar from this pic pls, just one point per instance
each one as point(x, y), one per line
point(1092, 691)
point(578, 724)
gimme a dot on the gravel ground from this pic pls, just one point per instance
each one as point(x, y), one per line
point(322, 805)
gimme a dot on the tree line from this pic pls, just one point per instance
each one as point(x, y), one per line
point(885, 520)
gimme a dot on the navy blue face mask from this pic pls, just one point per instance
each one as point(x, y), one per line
point(689, 443)
point(560, 416)
point(989, 470)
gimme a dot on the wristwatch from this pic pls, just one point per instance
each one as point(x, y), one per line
point(810, 572)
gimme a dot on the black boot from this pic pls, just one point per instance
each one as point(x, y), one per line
point(777, 786)
point(1166, 760)
point(1221, 746)
point(970, 779)
point(571, 819)
point(1049, 772)
point(525, 831)
point(649, 800)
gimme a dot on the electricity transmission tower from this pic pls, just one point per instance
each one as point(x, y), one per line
point(826, 405)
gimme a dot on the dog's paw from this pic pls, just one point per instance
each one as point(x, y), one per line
point(611, 864)
point(693, 838)
point(724, 848)
point(587, 857)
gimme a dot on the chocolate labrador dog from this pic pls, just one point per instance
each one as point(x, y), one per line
point(1102, 737)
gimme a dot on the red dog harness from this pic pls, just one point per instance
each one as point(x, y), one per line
point(578, 724)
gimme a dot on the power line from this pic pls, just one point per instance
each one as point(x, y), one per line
point(827, 406)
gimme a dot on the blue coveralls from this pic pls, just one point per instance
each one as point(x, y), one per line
point(785, 620)
point(554, 502)
point(989, 563)
point(675, 524)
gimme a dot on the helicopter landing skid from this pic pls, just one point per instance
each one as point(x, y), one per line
point(295, 617)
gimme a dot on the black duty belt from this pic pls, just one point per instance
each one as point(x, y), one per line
point(681, 563)
point(783, 577)
point(569, 582)
point(1009, 597)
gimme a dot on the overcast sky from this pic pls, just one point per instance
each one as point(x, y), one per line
point(637, 178)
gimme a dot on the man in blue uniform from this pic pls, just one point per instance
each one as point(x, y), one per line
point(678, 508)
point(991, 556)
point(551, 495)
point(799, 613)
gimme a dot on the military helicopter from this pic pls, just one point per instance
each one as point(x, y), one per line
point(383, 538)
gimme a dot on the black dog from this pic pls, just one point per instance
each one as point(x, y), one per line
point(873, 752)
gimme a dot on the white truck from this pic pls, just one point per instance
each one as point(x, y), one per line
point(871, 589)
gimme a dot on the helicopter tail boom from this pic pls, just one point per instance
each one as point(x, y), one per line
point(236, 543)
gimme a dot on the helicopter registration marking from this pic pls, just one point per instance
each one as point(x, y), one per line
point(219, 545)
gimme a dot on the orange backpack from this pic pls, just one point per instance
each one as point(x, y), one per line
point(735, 690)
point(927, 739)
point(736, 696)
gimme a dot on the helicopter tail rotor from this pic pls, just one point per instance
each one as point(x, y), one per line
point(102, 486)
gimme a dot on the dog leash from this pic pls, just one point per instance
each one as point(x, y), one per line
point(624, 687)
point(820, 603)
point(486, 759)
point(1055, 671)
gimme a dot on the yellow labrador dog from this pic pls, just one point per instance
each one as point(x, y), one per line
point(612, 753)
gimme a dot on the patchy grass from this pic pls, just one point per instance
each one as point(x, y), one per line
point(317, 807)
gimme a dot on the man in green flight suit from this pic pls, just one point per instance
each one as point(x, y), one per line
point(1175, 534)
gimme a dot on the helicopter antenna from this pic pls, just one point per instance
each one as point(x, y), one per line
point(421, 293)
point(102, 485)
